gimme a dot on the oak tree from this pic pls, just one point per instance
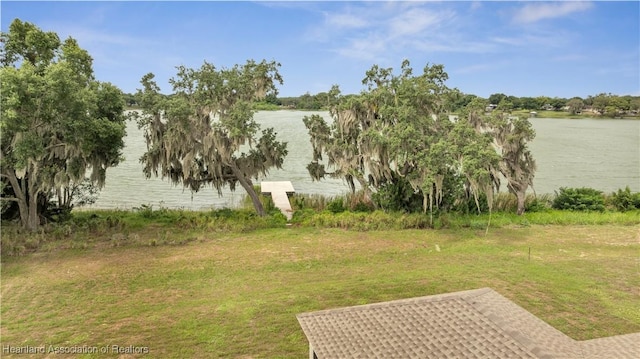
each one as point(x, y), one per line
point(511, 136)
point(204, 132)
point(575, 105)
point(400, 128)
point(58, 122)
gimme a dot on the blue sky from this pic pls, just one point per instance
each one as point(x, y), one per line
point(560, 48)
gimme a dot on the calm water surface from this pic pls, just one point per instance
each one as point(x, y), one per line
point(603, 154)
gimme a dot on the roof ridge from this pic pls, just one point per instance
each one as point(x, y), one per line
point(429, 298)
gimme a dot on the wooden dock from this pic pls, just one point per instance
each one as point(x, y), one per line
point(279, 191)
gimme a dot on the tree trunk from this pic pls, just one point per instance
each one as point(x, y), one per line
point(366, 191)
point(33, 222)
point(21, 197)
point(248, 187)
point(27, 202)
point(520, 195)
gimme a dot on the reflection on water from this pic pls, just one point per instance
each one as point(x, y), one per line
point(603, 154)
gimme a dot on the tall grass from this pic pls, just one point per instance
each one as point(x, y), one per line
point(357, 202)
point(143, 226)
point(303, 201)
point(379, 220)
point(507, 202)
point(147, 226)
point(361, 221)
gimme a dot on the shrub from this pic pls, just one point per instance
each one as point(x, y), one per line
point(336, 205)
point(468, 205)
point(300, 215)
point(537, 204)
point(302, 201)
point(359, 202)
point(579, 199)
point(397, 195)
point(624, 200)
point(225, 213)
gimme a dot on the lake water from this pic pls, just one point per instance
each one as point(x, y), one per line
point(602, 154)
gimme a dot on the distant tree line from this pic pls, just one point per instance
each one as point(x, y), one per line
point(605, 104)
point(601, 104)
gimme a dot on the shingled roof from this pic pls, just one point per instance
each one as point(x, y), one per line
point(470, 324)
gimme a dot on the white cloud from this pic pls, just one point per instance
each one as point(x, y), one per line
point(364, 48)
point(541, 39)
point(452, 45)
point(471, 69)
point(345, 21)
point(513, 41)
point(534, 12)
point(414, 21)
point(475, 5)
point(370, 31)
point(378, 31)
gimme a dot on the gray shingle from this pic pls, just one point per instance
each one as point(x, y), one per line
point(470, 324)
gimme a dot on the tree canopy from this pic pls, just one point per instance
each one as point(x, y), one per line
point(400, 128)
point(58, 121)
point(204, 132)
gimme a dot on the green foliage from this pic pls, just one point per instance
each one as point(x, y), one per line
point(399, 128)
point(362, 221)
point(511, 136)
point(359, 201)
point(265, 106)
point(470, 205)
point(355, 202)
point(144, 225)
point(265, 200)
point(302, 201)
point(84, 229)
point(601, 105)
point(57, 121)
point(84, 193)
point(507, 202)
point(575, 105)
point(336, 205)
point(306, 101)
point(379, 220)
point(496, 98)
point(579, 199)
point(398, 195)
point(537, 204)
point(624, 200)
point(198, 135)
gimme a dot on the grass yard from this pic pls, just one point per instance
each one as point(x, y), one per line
point(236, 295)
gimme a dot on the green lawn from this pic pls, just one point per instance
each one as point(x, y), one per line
point(236, 295)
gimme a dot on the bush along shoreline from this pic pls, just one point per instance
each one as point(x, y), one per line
point(148, 226)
